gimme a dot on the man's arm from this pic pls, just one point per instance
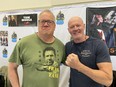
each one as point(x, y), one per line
point(103, 75)
point(13, 74)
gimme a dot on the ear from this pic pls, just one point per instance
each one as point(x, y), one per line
point(68, 29)
point(55, 25)
point(84, 25)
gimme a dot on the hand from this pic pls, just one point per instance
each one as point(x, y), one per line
point(73, 61)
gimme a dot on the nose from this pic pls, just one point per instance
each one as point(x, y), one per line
point(46, 23)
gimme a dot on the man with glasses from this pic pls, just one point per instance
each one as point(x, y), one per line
point(29, 51)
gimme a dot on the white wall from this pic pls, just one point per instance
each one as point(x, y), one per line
point(6, 5)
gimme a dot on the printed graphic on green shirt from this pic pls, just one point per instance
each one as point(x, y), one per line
point(49, 63)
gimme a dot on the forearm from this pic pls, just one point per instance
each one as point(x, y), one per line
point(13, 77)
point(97, 75)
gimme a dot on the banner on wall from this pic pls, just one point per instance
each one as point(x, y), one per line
point(22, 20)
point(3, 38)
point(101, 23)
point(4, 43)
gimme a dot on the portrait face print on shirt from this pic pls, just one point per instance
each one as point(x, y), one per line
point(48, 60)
point(49, 63)
point(49, 55)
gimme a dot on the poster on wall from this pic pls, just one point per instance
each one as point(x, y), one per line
point(5, 19)
point(22, 20)
point(13, 27)
point(101, 24)
point(60, 18)
point(3, 38)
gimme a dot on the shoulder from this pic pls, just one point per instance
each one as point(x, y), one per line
point(99, 44)
point(58, 41)
point(69, 44)
point(96, 40)
point(26, 39)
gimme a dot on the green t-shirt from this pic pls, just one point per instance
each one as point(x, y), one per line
point(40, 61)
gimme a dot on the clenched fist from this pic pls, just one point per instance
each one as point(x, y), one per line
point(73, 61)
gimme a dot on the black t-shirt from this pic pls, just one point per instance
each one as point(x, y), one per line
point(90, 52)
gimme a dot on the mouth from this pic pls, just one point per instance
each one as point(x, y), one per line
point(46, 28)
point(76, 32)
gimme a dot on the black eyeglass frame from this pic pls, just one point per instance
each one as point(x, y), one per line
point(44, 21)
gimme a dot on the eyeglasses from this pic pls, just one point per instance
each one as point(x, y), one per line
point(46, 21)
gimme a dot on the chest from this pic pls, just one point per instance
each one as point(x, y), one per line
point(85, 51)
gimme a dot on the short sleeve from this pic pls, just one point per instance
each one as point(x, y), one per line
point(102, 53)
point(15, 56)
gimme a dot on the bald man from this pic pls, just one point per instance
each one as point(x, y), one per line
point(87, 57)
